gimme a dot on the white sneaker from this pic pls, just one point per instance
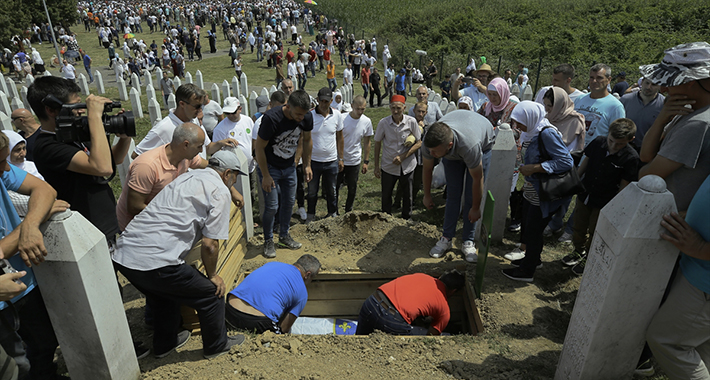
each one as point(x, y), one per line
point(302, 213)
point(515, 254)
point(469, 251)
point(565, 238)
point(440, 248)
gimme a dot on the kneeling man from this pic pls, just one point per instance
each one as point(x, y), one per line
point(395, 306)
point(272, 297)
point(151, 250)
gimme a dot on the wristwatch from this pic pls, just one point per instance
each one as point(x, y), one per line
point(366, 162)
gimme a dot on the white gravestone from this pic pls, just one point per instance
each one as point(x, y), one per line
point(23, 96)
point(177, 82)
point(154, 111)
point(451, 107)
point(148, 79)
point(437, 98)
point(122, 92)
point(150, 92)
point(198, 80)
point(16, 104)
point(264, 92)
point(135, 83)
point(136, 103)
point(443, 103)
point(83, 84)
point(4, 104)
point(235, 87)
point(215, 93)
point(158, 74)
point(12, 88)
point(243, 187)
point(272, 90)
point(122, 169)
point(500, 177)
point(172, 104)
point(83, 301)
point(29, 79)
point(243, 85)
point(226, 91)
point(252, 103)
point(624, 279)
point(3, 85)
point(188, 77)
point(5, 122)
point(245, 105)
point(48, 73)
point(431, 95)
point(99, 79)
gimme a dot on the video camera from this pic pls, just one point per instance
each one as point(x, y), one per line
point(72, 128)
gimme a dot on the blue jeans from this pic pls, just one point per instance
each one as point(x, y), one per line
point(329, 171)
point(279, 199)
point(302, 79)
point(374, 316)
point(458, 180)
point(557, 221)
point(259, 53)
point(332, 84)
point(312, 67)
point(365, 88)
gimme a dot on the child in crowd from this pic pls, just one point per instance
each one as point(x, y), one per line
point(609, 164)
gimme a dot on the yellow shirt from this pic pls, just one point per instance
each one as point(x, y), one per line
point(330, 72)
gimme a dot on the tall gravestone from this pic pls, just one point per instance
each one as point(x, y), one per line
point(158, 74)
point(198, 80)
point(29, 79)
point(264, 92)
point(23, 96)
point(83, 84)
point(82, 297)
point(122, 92)
point(122, 168)
point(443, 103)
point(272, 90)
point(135, 83)
point(154, 111)
point(451, 107)
point(16, 103)
point(500, 177)
point(136, 103)
point(177, 82)
point(226, 91)
point(243, 187)
point(12, 88)
point(624, 279)
point(243, 85)
point(188, 77)
point(150, 92)
point(437, 98)
point(148, 79)
point(172, 104)
point(4, 104)
point(48, 73)
point(3, 85)
point(235, 87)
point(245, 105)
point(215, 93)
point(252, 103)
point(99, 79)
point(5, 122)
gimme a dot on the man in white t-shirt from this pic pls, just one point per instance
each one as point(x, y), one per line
point(69, 71)
point(212, 114)
point(562, 76)
point(238, 127)
point(357, 130)
point(348, 74)
point(327, 153)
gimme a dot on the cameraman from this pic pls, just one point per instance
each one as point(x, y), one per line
point(76, 170)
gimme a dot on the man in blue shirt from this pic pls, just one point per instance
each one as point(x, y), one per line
point(35, 331)
point(87, 66)
point(272, 297)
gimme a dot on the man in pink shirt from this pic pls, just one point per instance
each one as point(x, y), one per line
point(155, 169)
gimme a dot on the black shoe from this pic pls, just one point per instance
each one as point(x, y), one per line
point(517, 274)
point(288, 242)
point(182, 338)
point(232, 341)
point(141, 350)
point(269, 249)
point(573, 258)
point(516, 263)
point(579, 268)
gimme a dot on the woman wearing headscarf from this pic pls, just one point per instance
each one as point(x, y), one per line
point(386, 55)
point(337, 102)
point(561, 113)
point(471, 67)
point(18, 151)
point(499, 106)
point(529, 118)
point(465, 103)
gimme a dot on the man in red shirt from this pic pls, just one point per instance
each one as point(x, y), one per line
point(365, 79)
point(394, 306)
point(289, 56)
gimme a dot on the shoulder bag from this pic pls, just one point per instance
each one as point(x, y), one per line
point(556, 186)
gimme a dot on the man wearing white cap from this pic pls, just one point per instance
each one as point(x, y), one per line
point(237, 127)
point(677, 148)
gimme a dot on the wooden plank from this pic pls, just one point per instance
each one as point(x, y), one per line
point(350, 289)
point(474, 318)
point(333, 308)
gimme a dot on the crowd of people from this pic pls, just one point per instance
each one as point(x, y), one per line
point(298, 146)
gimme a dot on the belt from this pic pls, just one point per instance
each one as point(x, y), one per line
point(382, 299)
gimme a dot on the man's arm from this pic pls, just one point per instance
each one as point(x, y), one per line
point(215, 146)
point(237, 197)
point(307, 149)
point(287, 322)
point(341, 149)
point(210, 254)
point(378, 147)
point(365, 153)
point(674, 105)
point(582, 166)
point(455, 89)
point(30, 242)
point(659, 166)
point(477, 192)
point(267, 183)
point(136, 201)
point(120, 150)
point(427, 171)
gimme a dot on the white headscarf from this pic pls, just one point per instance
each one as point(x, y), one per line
point(532, 115)
point(467, 100)
point(25, 165)
point(471, 66)
point(336, 105)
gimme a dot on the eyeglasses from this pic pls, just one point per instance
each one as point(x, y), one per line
point(197, 107)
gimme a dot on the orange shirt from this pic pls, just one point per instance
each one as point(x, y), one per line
point(330, 72)
point(419, 294)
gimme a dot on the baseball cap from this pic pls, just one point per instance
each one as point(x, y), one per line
point(325, 94)
point(261, 103)
point(681, 64)
point(226, 158)
point(230, 105)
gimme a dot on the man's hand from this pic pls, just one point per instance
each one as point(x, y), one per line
point(221, 287)
point(474, 215)
point(684, 237)
point(227, 142)
point(675, 105)
point(341, 166)
point(397, 160)
point(95, 105)
point(428, 201)
point(9, 288)
point(528, 170)
point(58, 206)
point(237, 198)
point(31, 245)
point(364, 168)
point(308, 173)
point(267, 183)
point(378, 174)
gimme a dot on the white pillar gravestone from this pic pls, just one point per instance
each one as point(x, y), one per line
point(122, 92)
point(136, 103)
point(245, 105)
point(188, 77)
point(83, 84)
point(172, 104)
point(198, 80)
point(235, 87)
point(215, 93)
point(226, 91)
point(100, 88)
point(500, 177)
point(244, 85)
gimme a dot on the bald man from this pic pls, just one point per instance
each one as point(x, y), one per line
point(27, 127)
